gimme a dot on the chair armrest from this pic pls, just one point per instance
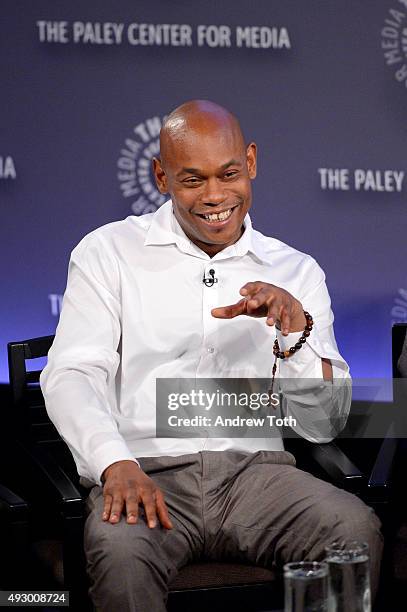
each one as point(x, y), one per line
point(67, 495)
point(14, 504)
point(71, 507)
point(14, 537)
point(381, 474)
point(342, 472)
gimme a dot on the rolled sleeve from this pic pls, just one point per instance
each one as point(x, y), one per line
point(320, 408)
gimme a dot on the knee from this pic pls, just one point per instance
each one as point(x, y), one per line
point(117, 544)
point(123, 568)
point(340, 517)
point(355, 520)
point(360, 523)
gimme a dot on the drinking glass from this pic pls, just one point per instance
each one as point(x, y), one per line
point(349, 581)
point(306, 587)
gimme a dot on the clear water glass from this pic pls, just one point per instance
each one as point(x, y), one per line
point(306, 587)
point(349, 579)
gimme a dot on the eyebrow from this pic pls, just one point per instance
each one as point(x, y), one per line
point(232, 162)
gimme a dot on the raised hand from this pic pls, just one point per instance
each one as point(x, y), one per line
point(265, 300)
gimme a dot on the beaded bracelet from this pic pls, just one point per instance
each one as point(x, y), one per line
point(288, 353)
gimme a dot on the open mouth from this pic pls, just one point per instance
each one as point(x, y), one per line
point(217, 217)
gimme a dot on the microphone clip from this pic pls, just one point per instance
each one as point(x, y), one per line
point(210, 280)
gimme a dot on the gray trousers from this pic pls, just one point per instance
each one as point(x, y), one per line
point(256, 508)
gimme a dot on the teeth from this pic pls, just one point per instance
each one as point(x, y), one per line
point(220, 217)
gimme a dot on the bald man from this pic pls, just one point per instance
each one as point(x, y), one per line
point(193, 291)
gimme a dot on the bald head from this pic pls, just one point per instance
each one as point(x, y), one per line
point(207, 170)
point(194, 119)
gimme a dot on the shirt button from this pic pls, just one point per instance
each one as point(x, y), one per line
point(211, 349)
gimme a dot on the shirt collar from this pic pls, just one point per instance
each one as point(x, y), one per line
point(165, 229)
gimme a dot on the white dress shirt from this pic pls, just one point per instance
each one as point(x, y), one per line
point(135, 310)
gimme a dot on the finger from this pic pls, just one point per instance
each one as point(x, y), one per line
point(132, 508)
point(251, 288)
point(117, 509)
point(285, 321)
point(273, 312)
point(260, 299)
point(231, 311)
point(162, 511)
point(107, 506)
point(150, 509)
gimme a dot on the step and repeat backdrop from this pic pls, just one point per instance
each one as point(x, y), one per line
point(320, 86)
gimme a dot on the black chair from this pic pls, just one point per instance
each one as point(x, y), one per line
point(14, 537)
point(59, 546)
point(399, 332)
point(399, 544)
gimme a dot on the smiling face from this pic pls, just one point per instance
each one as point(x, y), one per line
point(207, 170)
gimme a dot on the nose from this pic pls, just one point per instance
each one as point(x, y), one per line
point(214, 193)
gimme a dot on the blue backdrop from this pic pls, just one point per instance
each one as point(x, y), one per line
point(320, 86)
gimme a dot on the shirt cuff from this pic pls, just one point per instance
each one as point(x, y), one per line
point(306, 362)
point(109, 453)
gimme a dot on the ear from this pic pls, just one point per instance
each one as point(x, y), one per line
point(159, 175)
point(251, 157)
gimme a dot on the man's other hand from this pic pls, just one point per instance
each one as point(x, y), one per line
point(266, 300)
point(125, 487)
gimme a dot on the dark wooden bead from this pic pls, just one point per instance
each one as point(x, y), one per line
point(285, 354)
